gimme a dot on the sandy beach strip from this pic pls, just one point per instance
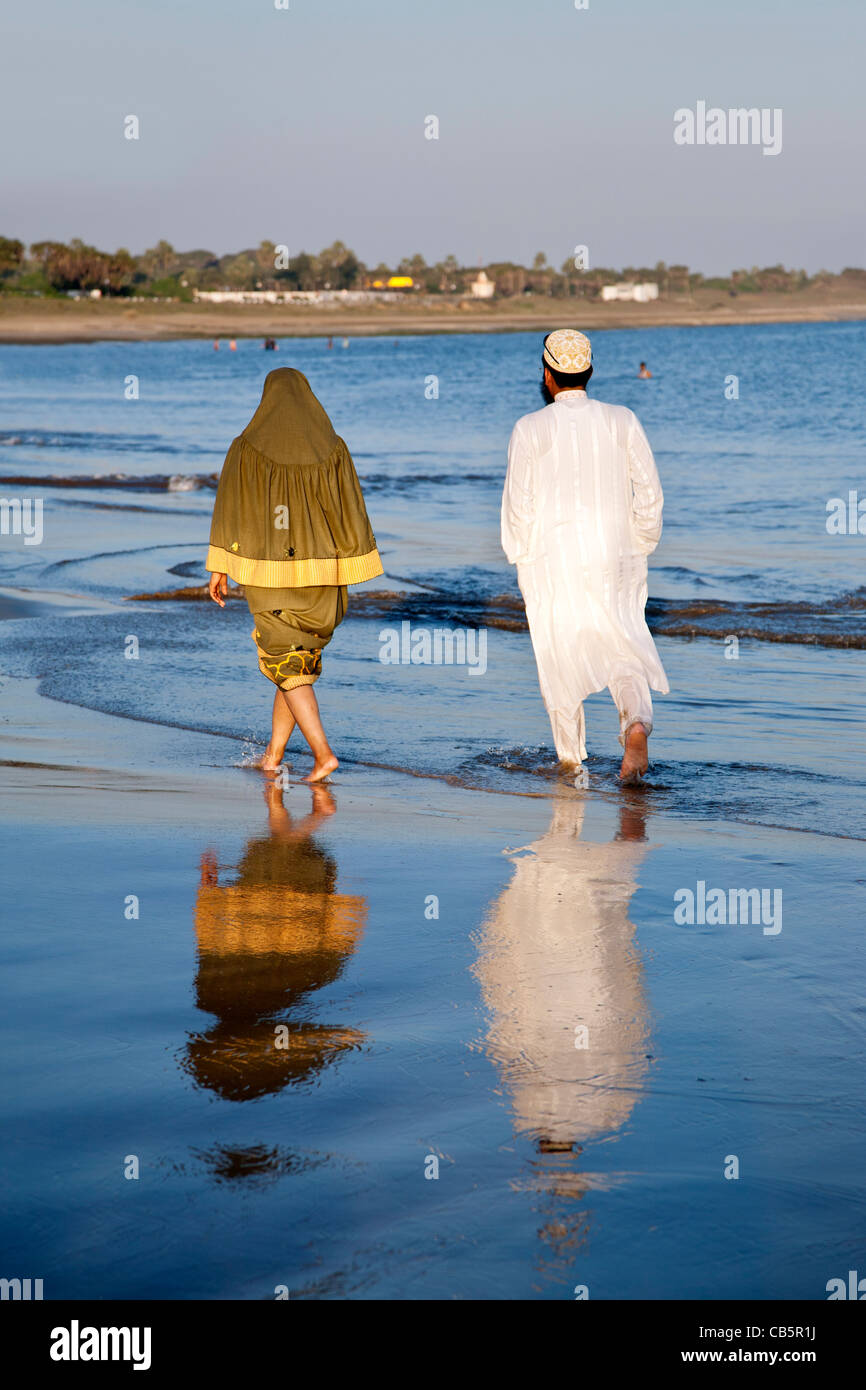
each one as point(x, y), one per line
point(24, 320)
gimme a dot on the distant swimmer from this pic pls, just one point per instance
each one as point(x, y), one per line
point(345, 342)
point(330, 344)
point(216, 344)
point(270, 345)
point(644, 372)
point(233, 347)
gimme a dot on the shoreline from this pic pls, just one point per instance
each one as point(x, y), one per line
point(43, 322)
point(194, 752)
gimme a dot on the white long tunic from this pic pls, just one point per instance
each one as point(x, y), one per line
point(582, 509)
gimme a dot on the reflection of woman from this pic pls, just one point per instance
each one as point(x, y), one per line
point(266, 941)
point(290, 525)
point(562, 979)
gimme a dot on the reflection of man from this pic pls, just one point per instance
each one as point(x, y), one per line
point(269, 938)
point(562, 980)
point(581, 511)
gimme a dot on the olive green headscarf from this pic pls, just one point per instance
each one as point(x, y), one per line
point(289, 512)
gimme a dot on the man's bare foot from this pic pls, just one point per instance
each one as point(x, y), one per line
point(635, 759)
point(322, 768)
point(555, 1146)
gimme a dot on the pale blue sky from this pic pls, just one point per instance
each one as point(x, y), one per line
point(556, 127)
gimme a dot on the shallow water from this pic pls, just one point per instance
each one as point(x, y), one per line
point(747, 480)
point(745, 550)
point(410, 1037)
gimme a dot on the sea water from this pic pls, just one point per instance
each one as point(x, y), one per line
point(434, 934)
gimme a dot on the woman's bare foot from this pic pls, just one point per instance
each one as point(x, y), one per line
point(635, 759)
point(282, 726)
point(305, 711)
point(269, 763)
point(322, 768)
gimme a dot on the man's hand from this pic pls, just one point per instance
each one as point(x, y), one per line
point(217, 587)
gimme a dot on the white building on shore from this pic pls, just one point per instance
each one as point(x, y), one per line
point(294, 296)
point(638, 294)
point(482, 286)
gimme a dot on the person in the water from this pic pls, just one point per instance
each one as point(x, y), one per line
point(290, 525)
point(581, 511)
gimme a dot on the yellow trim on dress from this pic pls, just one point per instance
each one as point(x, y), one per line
point(290, 682)
point(309, 665)
point(294, 574)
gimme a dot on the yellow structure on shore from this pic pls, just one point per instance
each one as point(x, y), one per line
point(394, 282)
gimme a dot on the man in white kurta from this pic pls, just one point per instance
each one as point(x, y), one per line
point(581, 511)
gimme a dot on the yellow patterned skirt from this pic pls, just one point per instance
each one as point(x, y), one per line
point(291, 628)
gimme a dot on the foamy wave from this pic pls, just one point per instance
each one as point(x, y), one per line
point(151, 482)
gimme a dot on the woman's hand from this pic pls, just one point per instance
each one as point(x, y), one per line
point(217, 587)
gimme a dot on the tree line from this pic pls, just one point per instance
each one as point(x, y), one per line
point(55, 267)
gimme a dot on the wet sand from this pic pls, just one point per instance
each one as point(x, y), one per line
point(538, 1082)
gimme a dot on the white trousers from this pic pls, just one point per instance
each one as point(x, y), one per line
point(630, 692)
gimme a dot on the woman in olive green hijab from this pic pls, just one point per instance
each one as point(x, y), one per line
point(290, 525)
